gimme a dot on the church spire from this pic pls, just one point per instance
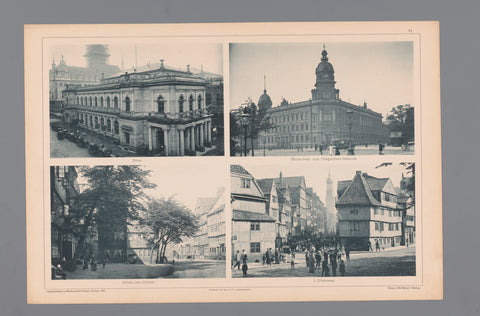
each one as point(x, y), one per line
point(324, 54)
point(264, 84)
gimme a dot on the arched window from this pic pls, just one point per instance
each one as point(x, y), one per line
point(190, 103)
point(109, 125)
point(96, 122)
point(96, 104)
point(108, 102)
point(180, 104)
point(78, 100)
point(91, 101)
point(127, 104)
point(116, 127)
point(102, 122)
point(199, 101)
point(101, 102)
point(160, 104)
point(115, 102)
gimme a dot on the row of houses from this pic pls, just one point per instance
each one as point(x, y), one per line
point(266, 212)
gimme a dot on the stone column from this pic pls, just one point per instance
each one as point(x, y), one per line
point(209, 131)
point(150, 131)
point(182, 144)
point(192, 138)
point(165, 140)
point(201, 135)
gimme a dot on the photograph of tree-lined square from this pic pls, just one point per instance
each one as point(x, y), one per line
point(311, 220)
point(352, 98)
point(136, 222)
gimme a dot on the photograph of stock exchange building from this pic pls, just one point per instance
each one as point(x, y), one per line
point(136, 100)
point(330, 99)
point(315, 221)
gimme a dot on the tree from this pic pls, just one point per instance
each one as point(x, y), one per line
point(167, 221)
point(401, 119)
point(258, 122)
point(410, 169)
point(112, 199)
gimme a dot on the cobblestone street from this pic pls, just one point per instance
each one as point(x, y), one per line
point(397, 262)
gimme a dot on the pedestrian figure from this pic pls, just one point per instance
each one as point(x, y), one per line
point(237, 260)
point(267, 255)
point(337, 151)
point(331, 152)
point(380, 149)
point(264, 258)
point(292, 261)
point(377, 246)
point(85, 263)
point(104, 262)
point(342, 268)
point(306, 257)
point(347, 253)
point(318, 259)
point(370, 246)
point(320, 147)
point(316, 146)
point(277, 259)
point(244, 266)
point(334, 267)
point(325, 267)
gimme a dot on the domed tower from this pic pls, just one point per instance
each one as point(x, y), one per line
point(325, 83)
point(264, 101)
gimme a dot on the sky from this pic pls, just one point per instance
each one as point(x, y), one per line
point(176, 55)
point(379, 73)
point(185, 182)
point(316, 174)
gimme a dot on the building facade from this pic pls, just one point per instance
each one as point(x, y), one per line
point(63, 187)
point(324, 119)
point(62, 75)
point(368, 213)
point(252, 229)
point(160, 111)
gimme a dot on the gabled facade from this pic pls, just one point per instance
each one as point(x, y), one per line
point(368, 212)
point(253, 230)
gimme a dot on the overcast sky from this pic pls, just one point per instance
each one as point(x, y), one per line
point(316, 174)
point(176, 55)
point(380, 73)
point(186, 182)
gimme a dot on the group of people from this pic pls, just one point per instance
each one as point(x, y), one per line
point(268, 257)
point(334, 258)
point(241, 258)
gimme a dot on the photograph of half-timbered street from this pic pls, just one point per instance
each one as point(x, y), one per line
point(290, 99)
point(313, 221)
point(135, 99)
point(136, 222)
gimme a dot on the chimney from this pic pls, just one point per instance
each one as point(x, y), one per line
point(161, 63)
point(188, 68)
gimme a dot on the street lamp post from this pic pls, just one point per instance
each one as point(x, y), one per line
point(244, 118)
point(350, 150)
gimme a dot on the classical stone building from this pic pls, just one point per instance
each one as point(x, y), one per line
point(368, 212)
point(324, 119)
point(62, 75)
point(158, 111)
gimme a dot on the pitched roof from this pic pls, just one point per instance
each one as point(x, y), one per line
point(251, 216)
point(204, 204)
point(239, 169)
point(376, 184)
point(358, 192)
point(265, 185)
point(342, 186)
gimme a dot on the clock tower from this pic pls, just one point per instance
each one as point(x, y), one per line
point(325, 83)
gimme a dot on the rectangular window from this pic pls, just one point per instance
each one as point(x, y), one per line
point(254, 226)
point(354, 210)
point(375, 211)
point(381, 227)
point(354, 226)
point(377, 226)
point(254, 247)
point(245, 183)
